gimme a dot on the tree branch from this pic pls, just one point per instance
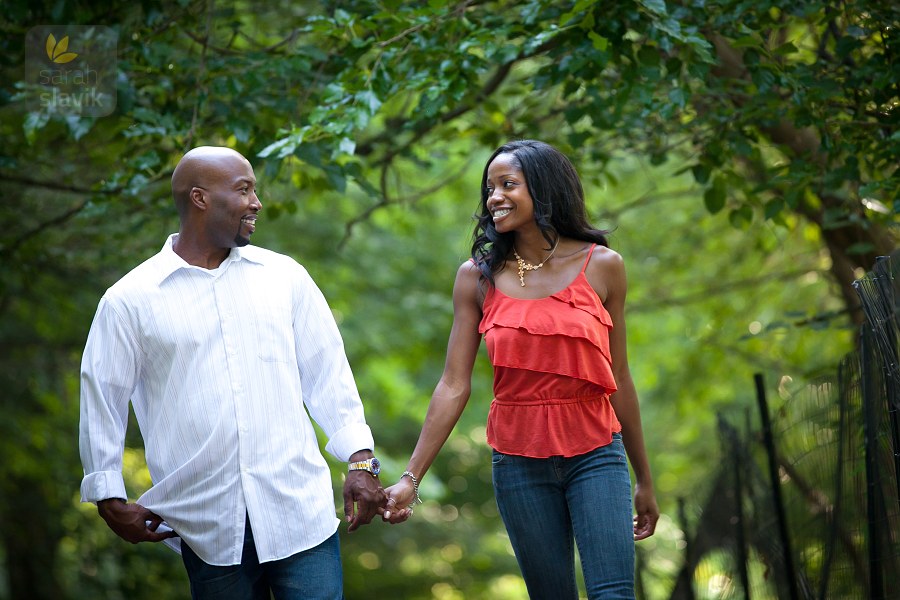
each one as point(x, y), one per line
point(8, 251)
point(424, 127)
point(386, 200)
point(712, 290)
point(52, 185)
point(201, 71)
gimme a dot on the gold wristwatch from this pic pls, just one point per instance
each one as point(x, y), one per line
point(372, 465)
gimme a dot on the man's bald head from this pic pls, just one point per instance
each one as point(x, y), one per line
point(201, 167)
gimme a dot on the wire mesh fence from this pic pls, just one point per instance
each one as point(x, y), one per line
point(807, 504)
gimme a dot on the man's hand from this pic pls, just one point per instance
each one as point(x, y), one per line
point(363, 497)
point(132, 522)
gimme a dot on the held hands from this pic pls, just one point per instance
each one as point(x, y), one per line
point(400, 497)
point(646, 512)
point(393, 503)
point(363, 499)
point(132, 522)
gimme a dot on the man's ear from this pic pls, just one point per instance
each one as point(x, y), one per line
point(199, 198)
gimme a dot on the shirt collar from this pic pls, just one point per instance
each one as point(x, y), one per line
point(169, 261)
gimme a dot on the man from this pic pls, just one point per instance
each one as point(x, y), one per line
point(219, 345)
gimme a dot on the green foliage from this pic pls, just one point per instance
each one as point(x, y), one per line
point(744, 152)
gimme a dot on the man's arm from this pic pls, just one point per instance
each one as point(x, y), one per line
point(330, 394)
point(109, 372)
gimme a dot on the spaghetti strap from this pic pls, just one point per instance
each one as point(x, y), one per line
point(588, 259)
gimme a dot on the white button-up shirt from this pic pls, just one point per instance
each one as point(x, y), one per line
point(218, 366)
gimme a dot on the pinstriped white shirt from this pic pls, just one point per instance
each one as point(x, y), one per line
point(218, 366)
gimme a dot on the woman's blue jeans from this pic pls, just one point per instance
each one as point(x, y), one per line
point(311, 574)
point(549, 504)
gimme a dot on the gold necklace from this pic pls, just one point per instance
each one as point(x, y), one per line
point(526, 266)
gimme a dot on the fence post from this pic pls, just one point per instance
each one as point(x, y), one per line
point(873, 489)
point(688, 556)
point(877, 295)
point(739, 513)
point(769, 441)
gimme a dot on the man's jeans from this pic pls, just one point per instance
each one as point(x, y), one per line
point(544, 501)
point(311, 574)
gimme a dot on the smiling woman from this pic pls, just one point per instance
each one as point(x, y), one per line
point(508, 199)
point(565, 412)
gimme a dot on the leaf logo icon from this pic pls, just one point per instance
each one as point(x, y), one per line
point(56, 51)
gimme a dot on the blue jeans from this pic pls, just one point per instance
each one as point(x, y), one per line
point(549, 504)
point(311, 574)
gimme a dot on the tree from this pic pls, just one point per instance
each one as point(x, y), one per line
point(783, 114)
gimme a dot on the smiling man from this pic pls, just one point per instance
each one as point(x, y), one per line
point(222, 347)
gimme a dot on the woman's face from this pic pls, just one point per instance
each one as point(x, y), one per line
point(508, 199)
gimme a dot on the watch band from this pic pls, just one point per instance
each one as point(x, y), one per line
point(372, 465)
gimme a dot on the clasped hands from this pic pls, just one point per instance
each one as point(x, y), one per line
point(364, 498)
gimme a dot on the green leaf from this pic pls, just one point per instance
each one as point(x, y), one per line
point(368, 99)
point(747, 41)
point(599, 42)
point(657, 7)
point(786, 49)
point(677, 96)
point(741, 217)
point(869, 189)
point(701, 173)
point(347, 146)
point(283, 147)
point(714, 196)
point(860, 248)
point(773, 208)
point(147, 161)
point(79, 126)
point(34, 122)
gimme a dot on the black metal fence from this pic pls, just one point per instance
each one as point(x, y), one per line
point(807, 503)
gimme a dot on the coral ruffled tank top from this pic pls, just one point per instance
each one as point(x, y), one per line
point(552, 371)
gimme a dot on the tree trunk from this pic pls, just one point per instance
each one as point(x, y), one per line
point(30, 538)
point(804, 144)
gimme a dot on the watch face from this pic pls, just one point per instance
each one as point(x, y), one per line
point(376, 466)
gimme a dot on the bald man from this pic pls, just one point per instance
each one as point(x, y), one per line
point(225, 350)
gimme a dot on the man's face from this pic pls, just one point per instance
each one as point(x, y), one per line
point(233, 204)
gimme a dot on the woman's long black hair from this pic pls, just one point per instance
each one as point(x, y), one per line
point(558, 205)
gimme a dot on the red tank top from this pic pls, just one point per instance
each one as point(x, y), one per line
point(552, 371)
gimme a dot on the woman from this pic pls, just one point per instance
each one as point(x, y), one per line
point(548, 295)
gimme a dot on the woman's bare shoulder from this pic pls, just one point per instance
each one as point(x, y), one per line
point(606, 273)
point(606, 260)
point(468, 282)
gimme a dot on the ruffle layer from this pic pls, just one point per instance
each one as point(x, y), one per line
point(573, 326)
point(545, 316)
point(558, 354)
point(582, 296)
point(541, 430)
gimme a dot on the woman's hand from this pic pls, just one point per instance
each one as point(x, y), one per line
point(646, 512)
point(400, 497)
